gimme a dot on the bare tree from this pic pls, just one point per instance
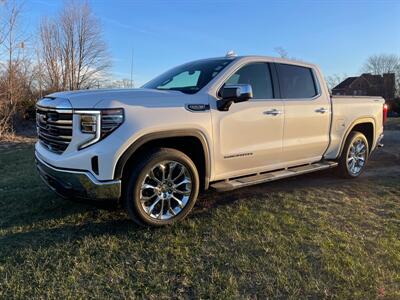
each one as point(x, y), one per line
point(14, 66)
point(73, 51)
point(50, 56)
point(380, 64)
point(281, 52)
point(124, 83)
point(334, 80)
point(71, 54)
point(3, 24)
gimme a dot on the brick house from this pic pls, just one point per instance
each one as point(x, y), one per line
point(367, 85)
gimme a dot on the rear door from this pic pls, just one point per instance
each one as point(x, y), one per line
point(307, 114)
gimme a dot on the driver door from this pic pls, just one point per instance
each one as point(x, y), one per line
point(248, 137)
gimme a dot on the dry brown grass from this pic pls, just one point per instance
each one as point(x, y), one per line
point(11, 138)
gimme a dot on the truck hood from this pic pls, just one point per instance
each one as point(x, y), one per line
point(103, 98)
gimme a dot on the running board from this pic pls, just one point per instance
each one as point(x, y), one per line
point(236, 183)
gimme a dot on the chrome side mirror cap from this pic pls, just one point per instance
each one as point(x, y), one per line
point(234, 93)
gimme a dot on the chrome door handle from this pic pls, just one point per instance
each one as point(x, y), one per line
point(321, 110)
point(272, 112)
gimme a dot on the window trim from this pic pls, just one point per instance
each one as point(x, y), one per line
point(314, 77)
point(274, 80)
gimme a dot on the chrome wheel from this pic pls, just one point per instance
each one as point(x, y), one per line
point(357, 156)
point(165, 190)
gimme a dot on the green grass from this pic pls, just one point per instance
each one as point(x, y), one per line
point(313, 236)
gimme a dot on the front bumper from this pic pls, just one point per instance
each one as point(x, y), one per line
point(77, 184)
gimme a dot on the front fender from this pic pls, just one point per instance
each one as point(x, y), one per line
point(127, 154)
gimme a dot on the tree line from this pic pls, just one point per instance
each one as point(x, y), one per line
point(67, 52)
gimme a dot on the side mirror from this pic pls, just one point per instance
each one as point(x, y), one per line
point(234, 93)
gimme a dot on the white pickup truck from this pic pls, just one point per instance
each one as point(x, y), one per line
point(223, 122)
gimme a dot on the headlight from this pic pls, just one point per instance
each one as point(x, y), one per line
point(89, 123)
point(99, 123)
point(111, 119)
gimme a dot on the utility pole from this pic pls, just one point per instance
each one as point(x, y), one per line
point(132, 69)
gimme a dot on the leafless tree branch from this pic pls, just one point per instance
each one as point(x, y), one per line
point(73, 51)
point(380, 64)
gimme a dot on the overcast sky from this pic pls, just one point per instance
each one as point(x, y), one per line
point(337, 35)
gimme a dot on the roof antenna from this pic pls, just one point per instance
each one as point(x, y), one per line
point(230, 53)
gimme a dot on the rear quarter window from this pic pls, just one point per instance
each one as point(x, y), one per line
point(296, 81)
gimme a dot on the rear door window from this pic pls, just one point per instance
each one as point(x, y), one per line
point(296, 82)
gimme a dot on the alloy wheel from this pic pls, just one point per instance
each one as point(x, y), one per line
point(357, 156)
point(165, 190)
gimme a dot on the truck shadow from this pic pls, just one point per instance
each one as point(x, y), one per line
point(323, 179)
point(104, 219)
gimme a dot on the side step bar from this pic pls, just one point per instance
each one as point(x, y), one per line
point(239, 182)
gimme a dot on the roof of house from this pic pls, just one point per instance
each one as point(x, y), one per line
point(345, 83)
point(372, 79)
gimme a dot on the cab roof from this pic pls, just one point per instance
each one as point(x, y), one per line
point(266, 58)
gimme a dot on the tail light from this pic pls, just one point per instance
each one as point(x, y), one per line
point(385, 112)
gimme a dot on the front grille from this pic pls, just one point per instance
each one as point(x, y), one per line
point(54, 127)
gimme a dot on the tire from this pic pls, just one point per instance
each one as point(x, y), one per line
point(152, 201)
point(354, 156)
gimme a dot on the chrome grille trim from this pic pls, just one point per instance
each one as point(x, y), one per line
point(54, 127)
point(61, 111)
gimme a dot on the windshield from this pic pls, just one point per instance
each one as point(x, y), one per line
point(189, 78)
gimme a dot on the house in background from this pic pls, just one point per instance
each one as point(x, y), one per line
point(367, 85)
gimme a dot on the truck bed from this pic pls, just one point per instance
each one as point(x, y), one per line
point(345, 109)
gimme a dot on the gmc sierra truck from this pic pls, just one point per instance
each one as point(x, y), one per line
point(223, 123)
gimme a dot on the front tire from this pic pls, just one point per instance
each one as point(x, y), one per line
point(354, 155)
point(162, 188)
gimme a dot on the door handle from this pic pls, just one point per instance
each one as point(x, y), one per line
point(272, 112)
point(321, 110)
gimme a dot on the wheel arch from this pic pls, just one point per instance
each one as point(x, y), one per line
point(185, 140)
point(365, 125)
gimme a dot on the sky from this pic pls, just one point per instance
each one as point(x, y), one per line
point(336, 35)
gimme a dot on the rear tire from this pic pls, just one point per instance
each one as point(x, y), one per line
point(162, 188)
point(354, 156)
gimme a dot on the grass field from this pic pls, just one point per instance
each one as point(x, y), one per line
point(312, 236)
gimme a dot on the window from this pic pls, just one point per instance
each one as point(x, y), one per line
point(183, 80)
point(258, 76)
point(296, 81)
point(189, 78)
